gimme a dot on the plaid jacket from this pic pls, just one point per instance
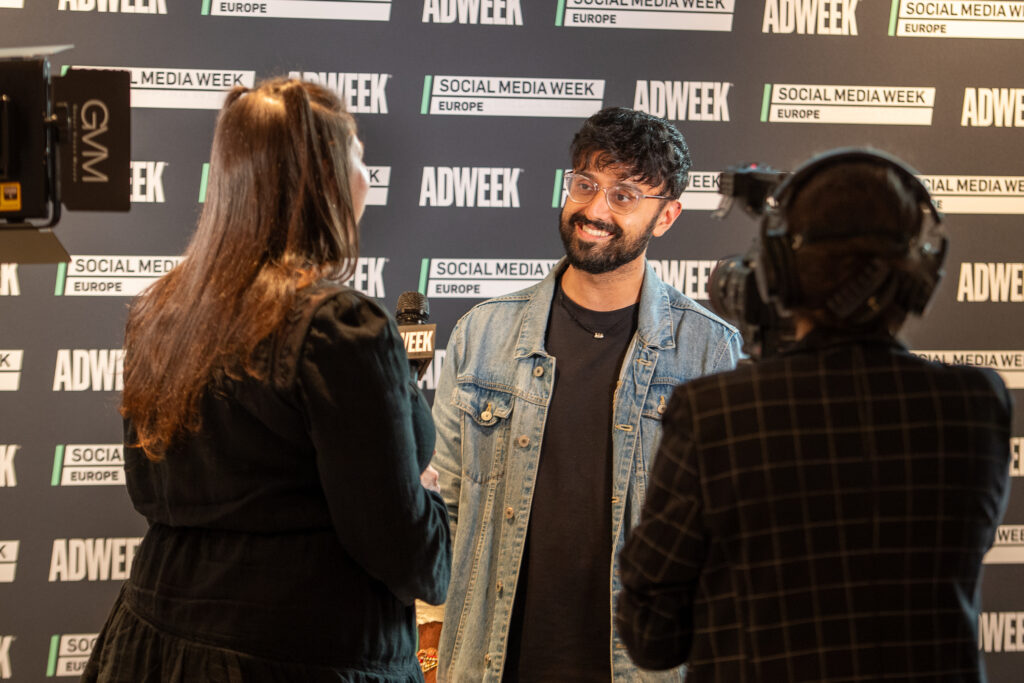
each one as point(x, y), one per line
point(820, 516)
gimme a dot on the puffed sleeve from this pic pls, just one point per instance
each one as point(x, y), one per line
point(373, 436)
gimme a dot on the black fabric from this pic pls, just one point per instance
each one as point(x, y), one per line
point(561, 619)
point(293, 527)
point(820, 516)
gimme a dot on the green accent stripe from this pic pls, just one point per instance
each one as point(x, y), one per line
point(51, 663)
point(425, 103)
point(556, 195)
point(64, 69)
point(560, 13)
point(62, 273)
point(206, 7)
point(424, 271)
point(893, 16)
point(58, 464)
point(766, 102)
point(203, 181)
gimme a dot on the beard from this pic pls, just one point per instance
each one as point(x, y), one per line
point(595, 258)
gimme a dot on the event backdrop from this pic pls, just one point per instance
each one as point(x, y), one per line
point(466, 108)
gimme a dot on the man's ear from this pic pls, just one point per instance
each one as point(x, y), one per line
point(669, 213)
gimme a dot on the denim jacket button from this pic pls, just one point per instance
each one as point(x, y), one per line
point(523, 441)
point(500, 586)
point(538, 371)
point(510, 512)
point(486, 415)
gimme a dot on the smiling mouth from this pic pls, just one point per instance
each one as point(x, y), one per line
point(590, 230)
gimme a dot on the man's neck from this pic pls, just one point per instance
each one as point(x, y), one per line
point(607, 291)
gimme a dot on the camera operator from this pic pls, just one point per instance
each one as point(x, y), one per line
point(822, 514)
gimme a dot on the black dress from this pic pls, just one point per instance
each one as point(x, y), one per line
point(289, 538)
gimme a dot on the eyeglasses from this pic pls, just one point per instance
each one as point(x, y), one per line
point(621, 199)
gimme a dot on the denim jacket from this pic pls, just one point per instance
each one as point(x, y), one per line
point(490, 409)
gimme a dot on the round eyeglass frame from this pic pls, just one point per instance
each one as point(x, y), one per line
point(570, 176)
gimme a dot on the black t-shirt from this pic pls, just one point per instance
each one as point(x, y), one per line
point(561, 620)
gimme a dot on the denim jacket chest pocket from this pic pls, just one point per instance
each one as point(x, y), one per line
point(486, 420)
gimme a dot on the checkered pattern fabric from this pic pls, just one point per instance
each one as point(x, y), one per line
point(820, 516)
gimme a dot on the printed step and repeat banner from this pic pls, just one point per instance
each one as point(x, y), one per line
point(466, 109)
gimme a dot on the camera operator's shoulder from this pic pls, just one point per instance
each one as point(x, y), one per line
point(973, 382)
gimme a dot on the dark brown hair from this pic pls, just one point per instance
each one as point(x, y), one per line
point(850, 215)
point(278, 216)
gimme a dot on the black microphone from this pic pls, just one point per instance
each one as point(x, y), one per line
point(412, 313)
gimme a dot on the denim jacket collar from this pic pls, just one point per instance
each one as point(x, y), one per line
point(654, 324)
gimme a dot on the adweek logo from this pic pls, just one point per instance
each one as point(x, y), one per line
point(464, 186)
point(148, 182)
point(991, 282)
point(168, 88)
point(98, 464)
point(69, 653)
point(487, 12)
point(851, 104)
point(1008, 547)
point(674, 15)
point(811, 17)
point(12, 4)
point(689, 277)
point(976, 193)
point(429, 381)
point(108, 275)
point(999, 107)
point(511, 96)
point(5, 656)
point(92, 559)
point(114, 6)
point(89, 370)
point(8, 477)
point(361, 93)
point(983, 19)
point(344, 10)
point(701, 193)
point(684, 100)
point(9, 283)
point(8, 560)
point(1009, 364)
point(479, 278)
point(1001, 632)
point(10, 369)
point(1016, 453)
point(369, 276)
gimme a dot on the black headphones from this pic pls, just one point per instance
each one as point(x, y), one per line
point(870, 291)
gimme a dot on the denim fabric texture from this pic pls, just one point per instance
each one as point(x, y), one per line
point(490, 409)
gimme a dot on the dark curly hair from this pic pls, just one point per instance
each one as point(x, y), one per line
point(651, 149)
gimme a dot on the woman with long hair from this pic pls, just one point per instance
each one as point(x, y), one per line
point(274, 437)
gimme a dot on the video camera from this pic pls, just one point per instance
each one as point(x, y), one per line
point(732, 286)
point(64, 139)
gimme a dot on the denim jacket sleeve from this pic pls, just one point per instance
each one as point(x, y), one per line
point(448, 447)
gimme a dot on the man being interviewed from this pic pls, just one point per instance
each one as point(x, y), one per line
point(548, 411)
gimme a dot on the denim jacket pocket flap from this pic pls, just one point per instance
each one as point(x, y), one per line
point(657, 401)
point(485, 406)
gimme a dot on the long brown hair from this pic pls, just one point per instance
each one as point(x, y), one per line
point(278, 216)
